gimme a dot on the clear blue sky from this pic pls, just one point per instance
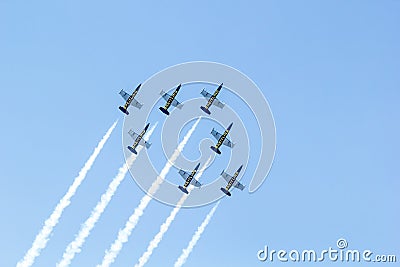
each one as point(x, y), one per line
point(329, 70)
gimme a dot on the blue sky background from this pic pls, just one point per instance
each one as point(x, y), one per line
point(329, 69)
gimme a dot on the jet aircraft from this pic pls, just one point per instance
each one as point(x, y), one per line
point(189, 179)
point(231, 181)
point(170, 100)
point(130, 100)
point(212, 100)
point(222, 140)
point(138, 139)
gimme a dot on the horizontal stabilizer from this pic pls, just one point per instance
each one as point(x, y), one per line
point(184, 190)
point(216, 150)
point(131, 149)
point(205, 110)
point(163, 110)
point(124, 110)
point(226, 191)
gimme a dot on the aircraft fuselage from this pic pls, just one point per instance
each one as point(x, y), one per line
point(233, 179)
point(212, 98)
point(140, 136)
point(222, 138)
point(172, 97)
point(189, 179)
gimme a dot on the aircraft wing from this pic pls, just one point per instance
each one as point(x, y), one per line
point(206, 94)
point(195, 183)
point(238, 185)
point(133, 134)
point(124, 95)
point(216, 134)
point(228, 177)
point(228, 143)
point(136, 104)
point(165, 95)
point(217, 103)
point(185, 176)
point(142, 142)
point(175, 103)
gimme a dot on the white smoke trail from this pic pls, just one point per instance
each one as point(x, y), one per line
point(185, 252)
point(75, 246)
point(42, 238)
point(123, 235)
point(164, 227)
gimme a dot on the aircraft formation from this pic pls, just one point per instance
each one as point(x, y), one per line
point(170, 99)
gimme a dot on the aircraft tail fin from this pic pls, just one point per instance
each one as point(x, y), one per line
point(205, 110)
point(131, 149)
point(226, 191)
point(184, 190)
point(215, 149)
point(124, 110)
point(163, 110)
